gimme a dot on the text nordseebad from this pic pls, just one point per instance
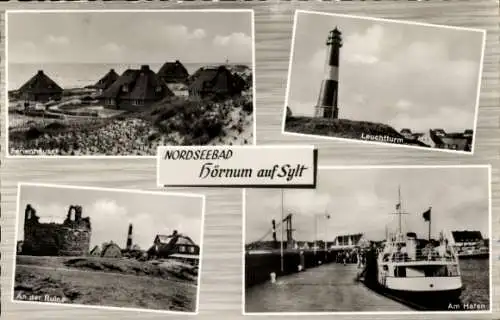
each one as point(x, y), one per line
point(208, 154)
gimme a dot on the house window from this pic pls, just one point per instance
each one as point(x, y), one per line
point(137, 102)
point(182, 249)
point(125, 88)
point(158, 89)
point(191, 249)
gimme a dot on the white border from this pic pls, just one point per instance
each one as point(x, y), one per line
point(6, 99)
point(307, 135)
point(265, 146)
point(320, 168)
point(70, 305)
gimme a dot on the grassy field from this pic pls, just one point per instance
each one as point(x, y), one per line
point(172, 121)
point(106, 282)
point(344, 128)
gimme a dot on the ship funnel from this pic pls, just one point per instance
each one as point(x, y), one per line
point(411, 245)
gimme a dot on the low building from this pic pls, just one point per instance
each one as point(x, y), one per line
point(135, 89)
point(469, 243)
point(111, 250)
point(216, 82)
point(106, 81)
point(173, 72)
point(95, 252)
point(40, 88)
point(407, 133)
point(347, 242)
point(167, 245)
point(454, 141)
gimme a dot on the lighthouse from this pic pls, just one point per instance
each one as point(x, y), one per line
point(328, 94)
point(129, 237)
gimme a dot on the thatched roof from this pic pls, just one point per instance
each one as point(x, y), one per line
point(138, 84)
point(111, 250)
point(173, 72)
point(107, 80)
point(179, 239)
point(40, 83)
point(217, 80)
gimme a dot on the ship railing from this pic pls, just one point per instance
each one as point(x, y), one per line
point(422, 255)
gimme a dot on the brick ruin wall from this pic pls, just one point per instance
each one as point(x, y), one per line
point(71, 238)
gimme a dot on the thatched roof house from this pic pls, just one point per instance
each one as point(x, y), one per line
point(173, 72)
point(111, 250)
point(96, 251)
point(135, 88)
point(106, 81)
point(215, 81)
point(40, 88)
point(166, 245)
point(454, 141)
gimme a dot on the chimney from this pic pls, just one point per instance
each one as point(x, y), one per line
point(145, 67)
point(40, 72)
point(129, 237)
point(177, 62)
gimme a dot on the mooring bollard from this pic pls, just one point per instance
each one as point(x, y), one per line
point(299, 268)
point(273, 277)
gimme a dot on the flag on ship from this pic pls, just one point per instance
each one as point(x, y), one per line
point(398, 206)
point(427, 215)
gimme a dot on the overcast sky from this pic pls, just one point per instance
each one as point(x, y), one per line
point(404, 75)
point(129, 37)
point(362, 200)
point(111, 212)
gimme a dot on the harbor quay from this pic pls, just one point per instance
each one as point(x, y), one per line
point(331, 287)
point(263, 265)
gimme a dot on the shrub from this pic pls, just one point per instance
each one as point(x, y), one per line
point(33, 133)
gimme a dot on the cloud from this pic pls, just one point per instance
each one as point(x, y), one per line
point(112, 47)
point(109, 220)
point(364, 47)
point(57, 40)
point(415, 120)
point(51, 213)
point(234, 40)
point(181, 32)
point(317, 62)
point(403, 105)
point(363, 200)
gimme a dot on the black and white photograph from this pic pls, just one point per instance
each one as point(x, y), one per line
point(108, 248)
point(384, 81)
point(371, 240)
point(121, 83)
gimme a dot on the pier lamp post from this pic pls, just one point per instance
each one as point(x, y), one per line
point(325, 216)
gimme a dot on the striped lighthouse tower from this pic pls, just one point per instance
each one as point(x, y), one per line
point(129, 237)
point(328, 94)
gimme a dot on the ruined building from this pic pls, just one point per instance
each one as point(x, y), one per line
point(71, 238)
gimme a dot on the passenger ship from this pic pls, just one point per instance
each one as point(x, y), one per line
point(408, 269)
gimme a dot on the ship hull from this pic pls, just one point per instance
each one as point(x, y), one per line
point(423, 284)
point(431, 300)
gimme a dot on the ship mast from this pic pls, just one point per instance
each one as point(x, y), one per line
point(399, 211)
